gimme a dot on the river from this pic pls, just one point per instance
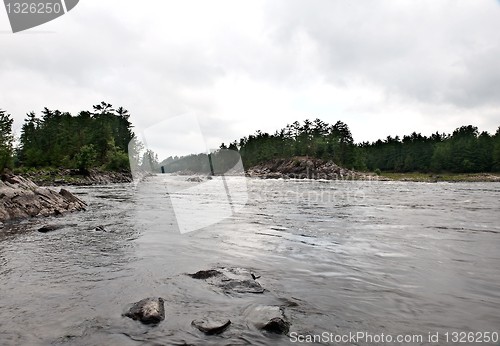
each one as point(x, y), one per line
point(373, 259)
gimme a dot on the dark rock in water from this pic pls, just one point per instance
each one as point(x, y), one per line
point(205, 274)
point(277, 325)
point(48, 228)
point(195, 179)
point(245, 286)
point(211, 326)
point(149, 310)
point(230, 280)
point(100, 228)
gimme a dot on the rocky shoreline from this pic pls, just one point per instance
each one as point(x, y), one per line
point(93, 176)
point(305, 168)
point(21, 198)
point(311, 168)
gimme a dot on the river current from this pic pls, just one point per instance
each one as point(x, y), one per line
point(410, 261)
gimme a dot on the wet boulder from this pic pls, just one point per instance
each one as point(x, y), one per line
point(205, 274)
point(268, 318)
point(277, 325)
point(243, 286)
point(230, 280)
point(211, 326)
point(148, 311)
point(48, 228)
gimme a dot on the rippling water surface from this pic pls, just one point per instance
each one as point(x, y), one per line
point(338, 257)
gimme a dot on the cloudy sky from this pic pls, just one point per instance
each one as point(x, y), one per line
point(382, 67)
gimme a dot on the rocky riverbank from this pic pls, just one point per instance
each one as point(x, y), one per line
point(311, 168)
point(21, 198)
point(442, 177)
point(305, 168)
point(92, 176)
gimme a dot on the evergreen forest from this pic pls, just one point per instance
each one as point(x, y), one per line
point(466, 150)
point(100, 138)
point(97, 138)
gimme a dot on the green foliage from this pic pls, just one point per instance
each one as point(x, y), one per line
point(378, 171)
point(466, 151)
point(6, 141)
point(86, 157)
point(60, 139)
point(117, 160)
point(312, 138)
point(496, 151)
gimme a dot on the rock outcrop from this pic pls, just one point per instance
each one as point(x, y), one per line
point(149, 310)
point(303, 168)
point(92, 176)
point(21, 198)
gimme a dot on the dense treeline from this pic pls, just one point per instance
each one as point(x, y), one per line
point(101, 137)
point(466, 150)
point(6, 140)
point(58, 139)
point(312, 138)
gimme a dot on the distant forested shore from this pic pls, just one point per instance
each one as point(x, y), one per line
point(100, 139)
point(466, 150)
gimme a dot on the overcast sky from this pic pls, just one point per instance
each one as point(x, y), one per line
point(382, 67)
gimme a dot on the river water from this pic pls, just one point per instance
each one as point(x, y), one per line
point(342, 258)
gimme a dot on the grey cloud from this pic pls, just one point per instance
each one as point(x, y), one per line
point(425, 53)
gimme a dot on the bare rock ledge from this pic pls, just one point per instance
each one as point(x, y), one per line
point(21, 198)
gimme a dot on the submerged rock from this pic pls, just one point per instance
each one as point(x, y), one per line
point(277, 325)
point(149, 310)
point(230, 280)
point(211, 326)
point(268, 318)
point(48, 228)
point(100, 228)
point(245, 286)
point(195, 179)
point(205, 274)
